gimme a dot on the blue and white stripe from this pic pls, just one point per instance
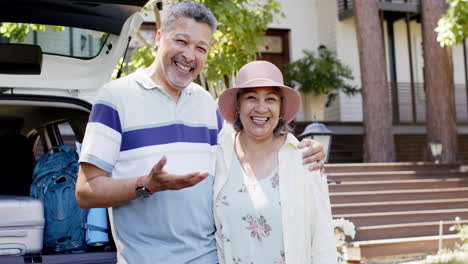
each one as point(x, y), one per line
point(168, 134)
point(132, 125)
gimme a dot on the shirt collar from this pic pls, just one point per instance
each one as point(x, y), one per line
point(291, 140)
point(145, 81)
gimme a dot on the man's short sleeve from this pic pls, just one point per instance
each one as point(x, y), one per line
point(103, 137)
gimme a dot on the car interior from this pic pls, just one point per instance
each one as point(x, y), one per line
point(48, 80)
point(30, 126)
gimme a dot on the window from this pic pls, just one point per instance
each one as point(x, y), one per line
point(57, 40)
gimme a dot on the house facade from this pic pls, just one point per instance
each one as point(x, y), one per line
point(309, 24)
point(312, 23)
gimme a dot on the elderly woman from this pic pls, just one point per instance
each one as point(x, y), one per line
point(268, 207)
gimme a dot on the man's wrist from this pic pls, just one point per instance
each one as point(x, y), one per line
point(142, 182)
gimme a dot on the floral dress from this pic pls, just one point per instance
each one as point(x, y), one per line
point(250, 214)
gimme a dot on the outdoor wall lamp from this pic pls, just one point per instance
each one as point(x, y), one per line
point(322, 51)
point(321, 133)
point(436, 149)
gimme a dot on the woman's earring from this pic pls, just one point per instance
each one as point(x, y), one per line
point(155, 49)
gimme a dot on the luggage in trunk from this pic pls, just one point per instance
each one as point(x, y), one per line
point(83, 258)
point(21, 225)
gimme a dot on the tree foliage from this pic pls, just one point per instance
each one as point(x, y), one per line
point(19, 31)
point(452, 28)
point(242, 25)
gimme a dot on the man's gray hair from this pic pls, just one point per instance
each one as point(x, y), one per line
point(195, 11)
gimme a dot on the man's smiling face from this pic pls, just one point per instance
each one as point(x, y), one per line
point(182, 53)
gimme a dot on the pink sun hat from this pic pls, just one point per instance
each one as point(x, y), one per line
point(258, 74)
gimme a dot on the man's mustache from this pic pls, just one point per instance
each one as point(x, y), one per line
point(182, 59)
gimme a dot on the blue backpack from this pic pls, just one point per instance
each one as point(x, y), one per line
point(54, 179)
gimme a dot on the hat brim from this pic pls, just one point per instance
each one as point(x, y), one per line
point(290, 105)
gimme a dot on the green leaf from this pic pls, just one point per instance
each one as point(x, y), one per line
point(17, 32)
point(324, 74)
point(452, 27)
point(242, 24)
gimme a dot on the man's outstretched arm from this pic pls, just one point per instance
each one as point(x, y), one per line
point(95, 189)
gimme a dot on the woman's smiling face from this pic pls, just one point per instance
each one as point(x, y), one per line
point(259, 111)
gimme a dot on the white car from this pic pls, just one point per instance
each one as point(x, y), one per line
point(47, 83)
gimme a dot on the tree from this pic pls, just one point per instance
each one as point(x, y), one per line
point(452, 27)
point(242, 25)
point(19, 31)
point(379, 144)
point(438, 83)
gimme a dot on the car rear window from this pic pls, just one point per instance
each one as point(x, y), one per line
point(57, 40)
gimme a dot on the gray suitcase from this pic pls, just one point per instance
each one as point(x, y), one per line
point(84, 258)
point(21, 225)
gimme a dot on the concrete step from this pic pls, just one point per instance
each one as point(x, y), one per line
point(404, 230)
point(392, 206)
point(398, 195)
point(386, 218)
point(394, 175)
point(390, 166)
point(403, 247)
point(396, 207)
point(398, 184)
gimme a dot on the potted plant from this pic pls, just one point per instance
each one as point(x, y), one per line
point(317, 77)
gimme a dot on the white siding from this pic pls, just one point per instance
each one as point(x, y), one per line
point(315, 22)
point(332, 113)
point(461, 102)
point(405, 110)
point(458, 64)
point(403, 74)
point(327, 36)
point(351, 108)
point(58, 40)
point(301, 19)
point(347, 51)
point(326, 23)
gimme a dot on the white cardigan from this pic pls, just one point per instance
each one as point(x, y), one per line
point(305, 204)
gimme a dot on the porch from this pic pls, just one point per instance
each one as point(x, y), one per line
point(410, 142)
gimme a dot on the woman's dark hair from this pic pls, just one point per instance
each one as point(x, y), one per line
point(281, 128)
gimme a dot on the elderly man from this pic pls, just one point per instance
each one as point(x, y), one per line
point(159, 115)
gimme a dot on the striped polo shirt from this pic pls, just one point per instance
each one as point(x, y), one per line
point(133, 123)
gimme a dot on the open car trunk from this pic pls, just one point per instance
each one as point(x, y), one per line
point(29, 126)
point(48, 78)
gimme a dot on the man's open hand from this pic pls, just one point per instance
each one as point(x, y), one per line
point(159, 180)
